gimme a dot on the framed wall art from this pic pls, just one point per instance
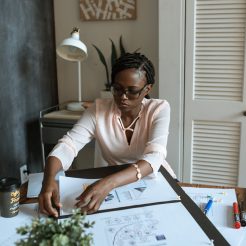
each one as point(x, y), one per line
point(102, 10)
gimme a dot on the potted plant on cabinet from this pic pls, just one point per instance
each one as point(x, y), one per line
point(114, 55)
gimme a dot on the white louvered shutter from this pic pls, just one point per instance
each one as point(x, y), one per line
point(214, 92)
point(219, 53)
point(215, 152)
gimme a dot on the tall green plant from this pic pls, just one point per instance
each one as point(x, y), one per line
point(114, 56)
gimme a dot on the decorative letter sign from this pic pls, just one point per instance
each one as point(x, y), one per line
point(94, 10)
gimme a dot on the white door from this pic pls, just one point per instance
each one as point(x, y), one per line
point(215, 93)
point(171, 74)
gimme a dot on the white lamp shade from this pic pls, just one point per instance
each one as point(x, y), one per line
point(72, 49)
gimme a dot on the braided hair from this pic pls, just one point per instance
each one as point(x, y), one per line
point(134, 60)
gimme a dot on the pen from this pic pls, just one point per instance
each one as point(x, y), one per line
point(242, 214)
point(208, 206)
point(236, 216)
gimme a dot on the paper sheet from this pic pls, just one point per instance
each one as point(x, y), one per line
point(35, 183)
point(8, 225)
point(165, 224)
point(144, 191)
point(221, 212)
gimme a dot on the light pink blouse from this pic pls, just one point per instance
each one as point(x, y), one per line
point(102, 121)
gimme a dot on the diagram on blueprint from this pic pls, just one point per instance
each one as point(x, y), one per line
point(127, 193)
point(152, 225)
point(134, 229)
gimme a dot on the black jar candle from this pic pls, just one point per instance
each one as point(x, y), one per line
point(9, 197)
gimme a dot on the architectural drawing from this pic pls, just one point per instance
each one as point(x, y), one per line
point(135, 229)
point(144, 191)
point(127, 193)
point(155, 225)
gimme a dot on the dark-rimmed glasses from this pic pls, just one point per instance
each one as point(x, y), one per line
point(130, 93)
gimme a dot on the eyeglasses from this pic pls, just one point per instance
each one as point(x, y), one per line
point(130, 93)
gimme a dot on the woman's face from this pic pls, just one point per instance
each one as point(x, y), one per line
point(129, 88)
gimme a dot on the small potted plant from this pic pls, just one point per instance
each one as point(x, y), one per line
point(44, 232)
point(114, 55)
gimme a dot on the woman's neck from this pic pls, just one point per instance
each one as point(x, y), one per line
point(131, 114)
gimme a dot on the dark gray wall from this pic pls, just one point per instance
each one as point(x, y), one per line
point(28, 81)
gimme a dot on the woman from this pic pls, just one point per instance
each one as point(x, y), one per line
point(128, 128)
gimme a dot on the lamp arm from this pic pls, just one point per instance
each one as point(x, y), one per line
point(79, 81)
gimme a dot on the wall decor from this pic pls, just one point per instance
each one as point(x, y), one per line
point(101, 10)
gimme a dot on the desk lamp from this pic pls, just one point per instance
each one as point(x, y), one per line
point(72, 49)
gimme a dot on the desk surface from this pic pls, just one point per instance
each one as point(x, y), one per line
point(59, 112)
point(63, 114)
point(194, 210)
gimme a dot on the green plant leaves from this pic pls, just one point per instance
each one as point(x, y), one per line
point(114, 57)
point(45, 232)
point(103, 61)
point(122, 49)
point(113, 52)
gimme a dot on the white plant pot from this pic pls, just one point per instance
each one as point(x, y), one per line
point(106, 94)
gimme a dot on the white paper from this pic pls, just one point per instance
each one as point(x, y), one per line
point(221, 212)
point(144, 191)
point(35, 183)
point(8, 225)
point(165, 224)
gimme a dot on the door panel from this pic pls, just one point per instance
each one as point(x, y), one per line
point(214, 125)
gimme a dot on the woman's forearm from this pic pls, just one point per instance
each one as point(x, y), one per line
point(129, 174)
point(49, 195)
point(52, 167)
point(90, 200)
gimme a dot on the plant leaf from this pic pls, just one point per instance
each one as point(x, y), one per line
point(48, 231)
point(122, 49)
point(136, 50)
point(113, 52)
point(103, 60)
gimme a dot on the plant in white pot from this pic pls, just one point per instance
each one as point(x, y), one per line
point(114, 55)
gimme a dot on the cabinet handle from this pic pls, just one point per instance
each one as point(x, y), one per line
point(244, 113)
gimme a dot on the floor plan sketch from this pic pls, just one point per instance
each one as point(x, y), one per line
point(138, 229)
point(147, 226)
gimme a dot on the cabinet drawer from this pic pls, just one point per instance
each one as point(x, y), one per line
point(51, 135)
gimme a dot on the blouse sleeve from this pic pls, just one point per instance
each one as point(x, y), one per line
point(155, 151)
point(75, 139)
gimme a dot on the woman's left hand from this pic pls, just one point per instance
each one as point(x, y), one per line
point(91, 199)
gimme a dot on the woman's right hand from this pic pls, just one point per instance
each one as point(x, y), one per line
point(49, 198)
